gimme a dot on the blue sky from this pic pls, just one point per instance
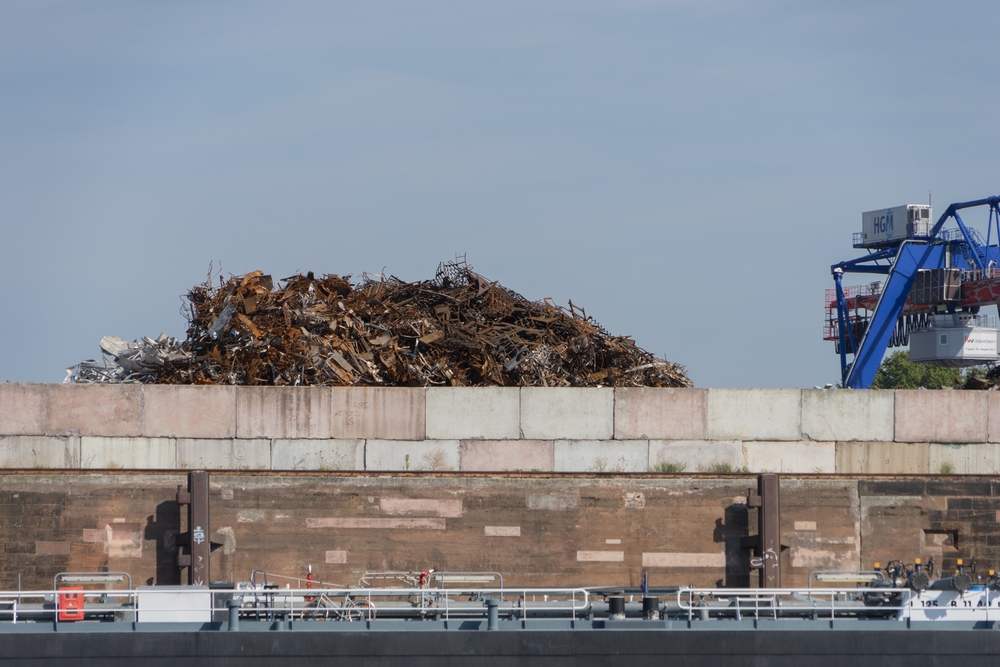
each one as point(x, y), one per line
point(686, 171)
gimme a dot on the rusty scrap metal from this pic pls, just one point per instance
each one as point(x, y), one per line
point(458, 329)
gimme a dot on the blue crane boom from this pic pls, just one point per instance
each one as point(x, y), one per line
point(901, 261)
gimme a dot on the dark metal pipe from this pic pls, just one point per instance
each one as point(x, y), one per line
point(616, 607)
point(651, 608)
point(233, 606)
point(492, 614)
point(961, 582)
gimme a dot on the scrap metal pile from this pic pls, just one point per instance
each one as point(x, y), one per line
point(458, 329)
point(989, 380)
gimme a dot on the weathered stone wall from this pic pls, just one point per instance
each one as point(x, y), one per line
point(504, 506)
point(498, 429)
point(535, 529)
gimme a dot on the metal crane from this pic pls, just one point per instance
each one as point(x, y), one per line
point(937, 281)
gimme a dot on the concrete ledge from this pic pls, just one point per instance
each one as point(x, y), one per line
point(323, 413)
point(39, 451)
point(600, 456)
point(695, 455)
point(848, 415)
point(629, 456)
point(507, 455)
point(148, 453)
point(385, 413)
point(873, 458)
point(23, 408)
point(970, 459)
point(203, 454)
point(993, 420)
point(567, 413)
point(790, 457)
point(188, 411)
point(754, 414)
point(469, 413)
point(416, 455)
point(941, 416)
point(492, 414)
point(317, 455)
point(666, 414)
point(283, 412)
point(94, 410)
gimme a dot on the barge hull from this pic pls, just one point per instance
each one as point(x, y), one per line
point(679, 647)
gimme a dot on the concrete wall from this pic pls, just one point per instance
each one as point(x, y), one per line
point(499, 429)
point(539, 529)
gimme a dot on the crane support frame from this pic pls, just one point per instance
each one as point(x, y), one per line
point(902, 262)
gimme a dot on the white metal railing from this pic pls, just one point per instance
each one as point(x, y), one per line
point(348, 604)
point(955, 320)
point(16, 606)
point(753, 602)
point(367, 603)
point(981, 604)
point(976, 275)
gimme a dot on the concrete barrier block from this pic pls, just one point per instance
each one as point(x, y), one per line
point(567, 413)
point(754, 414)
point(970, 459)
point(283, 412)
point(412, 455)
point(129, 453)
point(507, 455)
point(23, 408)
point(380, 413)
point(829, 415)
point(876, 458)
point(94, 410)
point(941, 416)
point(694, 455)
point(318, 455)
point(188, 411)
point(224, 454)
point(803, 456)
point(473, 413)
point(39, 451)
point(660, 413)
point(600, 456)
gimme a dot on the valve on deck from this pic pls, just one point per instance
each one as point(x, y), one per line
point(875, 598)
point(918, 580)
point(961, 581)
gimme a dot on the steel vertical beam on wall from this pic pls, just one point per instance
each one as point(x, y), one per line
point(766, 544)
point(196, 537)
point(769, 526)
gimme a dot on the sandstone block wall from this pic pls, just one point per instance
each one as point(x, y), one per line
point(535, 529)
point(499, 429)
